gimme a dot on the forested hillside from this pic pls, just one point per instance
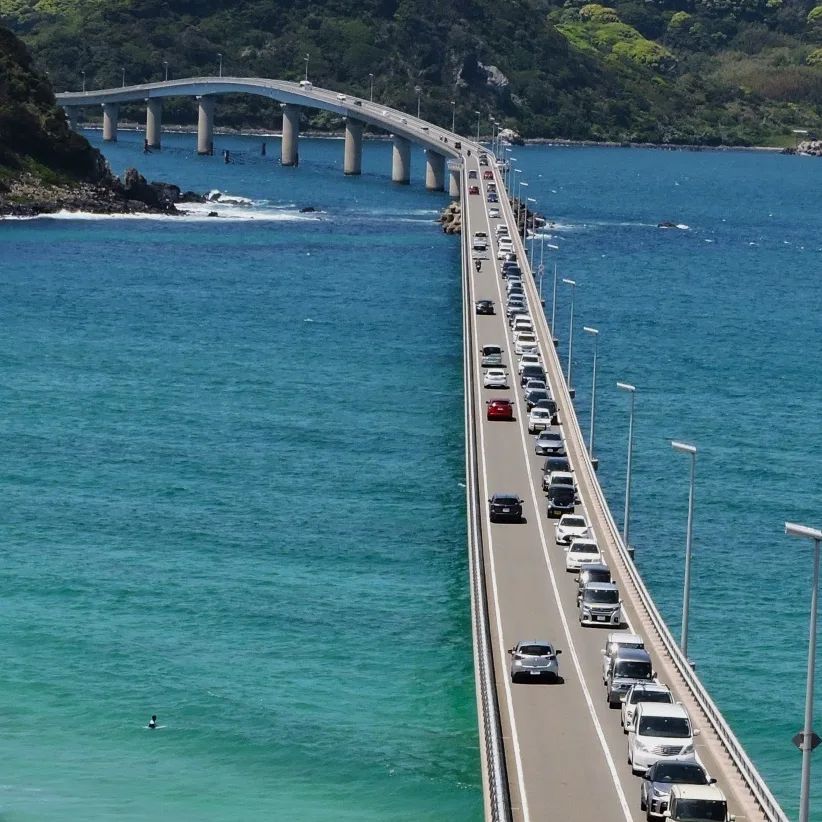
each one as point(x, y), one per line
point(686, 71)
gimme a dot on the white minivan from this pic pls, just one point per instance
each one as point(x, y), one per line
point(660, 732)
point(522, 323)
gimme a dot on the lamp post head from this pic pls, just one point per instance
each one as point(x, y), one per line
point(626, 386)
point(794, 530)
point(594, 331)
point(523, 183)
point(683, 447)
point(569, 282)
point(551, 245)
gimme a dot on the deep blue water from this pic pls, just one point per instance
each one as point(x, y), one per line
point(232, 463)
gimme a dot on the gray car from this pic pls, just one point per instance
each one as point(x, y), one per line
point(533, 659)
point(655, 789)
point(550, 442)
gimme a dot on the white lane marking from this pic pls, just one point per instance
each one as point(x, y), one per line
point(623, 801)
point(491, 555)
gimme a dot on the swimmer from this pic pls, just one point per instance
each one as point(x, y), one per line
point(152, 723)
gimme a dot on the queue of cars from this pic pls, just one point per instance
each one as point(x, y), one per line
point(660, 735)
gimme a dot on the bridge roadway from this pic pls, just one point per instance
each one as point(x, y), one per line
point(565, 749)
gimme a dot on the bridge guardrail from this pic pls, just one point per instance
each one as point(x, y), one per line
point(747, 770)
point(495, 772)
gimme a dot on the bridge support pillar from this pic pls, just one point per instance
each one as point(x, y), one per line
point(401, 161)
point(111, 111)
point(454, 180)
point(434, 170)
point(73, 113)
point(352, 163)
point(289, 150)
point(154, 114)
point(205, 125)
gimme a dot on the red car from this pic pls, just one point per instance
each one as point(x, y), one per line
point(473, 190)
point(500, 410)
point(488, 175)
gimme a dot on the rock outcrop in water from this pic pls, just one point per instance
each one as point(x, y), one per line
point(45, 167)
point(451, 218)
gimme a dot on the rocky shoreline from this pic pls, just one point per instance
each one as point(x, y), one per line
point(28, 196)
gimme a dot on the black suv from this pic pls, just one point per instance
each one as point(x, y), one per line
point(485, 306)
point(505, 508)
point(561, 500)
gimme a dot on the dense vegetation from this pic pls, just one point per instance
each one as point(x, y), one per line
point(688, 71)
point(34, 136)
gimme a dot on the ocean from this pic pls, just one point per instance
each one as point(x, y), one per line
point(233, 463)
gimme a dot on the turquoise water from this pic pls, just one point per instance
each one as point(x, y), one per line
point(232, 463)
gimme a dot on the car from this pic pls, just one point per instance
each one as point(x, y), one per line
point(307, 84)
point(514, 289)
point(516, 301)
point(697, 803)
point(531, 372)
point(488, 175)
point(492, 187)
point(341, 97)
point(506, 243)
point(495, 378)
point(514, 311)
point(503, 250)
point(615, 644)
point(485, 306)
point(493, 213)
point(563, 478)
point(524, 341)
point(591, 572)
point(534, 397)
point(533, 659)
point(551, 406)
point(571, 526)
point(660, 732)
point(424, 128)
point(358, 103)
point(530, 359)
point(511, 257)
point(644, 692)
point(538, 420)
point(403, 120)
point(499, 410)
point(655, 788)
point(479, 243)
point(472, 174)
point(628, 667)
point(491, 356)
point(599, 604)
point(505, 508)
point(492, 197)
point(473, 189)
point(555, 464)
point(550, 442)
point(513, 270)
point(502, 228)
point(560, 500)
point(535, 385)
point(580, 551)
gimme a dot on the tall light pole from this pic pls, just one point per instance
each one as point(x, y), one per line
point(306, 59)
point(371, 78)
point(124, 76)
point(220, 58)
point(506, 169)
point(515, 193)
point(418, 91)
point(624, 386)
point(165, 65)
point(807, 740)
point(453, 116)
point(478, 124)
point(594, 332)
point(573, 284)
point(522, 185)
point(684, 448)
point(534, 232)
point(84, 80)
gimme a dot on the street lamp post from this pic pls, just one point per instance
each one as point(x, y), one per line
point(453, 116)
point(220, 58)
point(807, 739)
point(534, 231)
point(573, 285)
point(418, 91)
point(684, 448)
point(165, 65)
point(515, 191)
point(624, 386)
point(554, 305)
point(594, 332)
point(84, 79)
point(509, 160)
point(371, 94)
point(123, 71)
point(522, 185)
point(478, 124)
point(306, 59)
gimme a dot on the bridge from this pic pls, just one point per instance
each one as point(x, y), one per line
point(547, 751)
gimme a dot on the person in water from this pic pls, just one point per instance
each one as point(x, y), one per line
point(152, 723)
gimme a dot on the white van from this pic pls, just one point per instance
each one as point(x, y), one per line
point(306, 84)
point(522, 323)
point(697, 803)
point(660, 732)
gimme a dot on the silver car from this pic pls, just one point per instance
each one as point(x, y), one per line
point(550, 442)
point(534, 659)
point(655, 789)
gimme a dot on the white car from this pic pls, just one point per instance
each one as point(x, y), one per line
point(505, 247)
point(642, 692)
point(617, 640)
point(571, 526)
point(538, 420)
point(341, 97)
point(479, 244)
point(524, 341)
point(529, 359)
point(495, 378)
point(536, 385)
point(579, 552)
point(502, 228)
point(493, 213)
point(660, 732)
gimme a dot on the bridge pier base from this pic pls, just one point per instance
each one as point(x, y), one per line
point(401, 160)
point(352, 162)
point(289, 149)
point(434, 171)
point(205, 125)
point(73, 113)
point(154, 114)
point(111, 112)
point(454, 179)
